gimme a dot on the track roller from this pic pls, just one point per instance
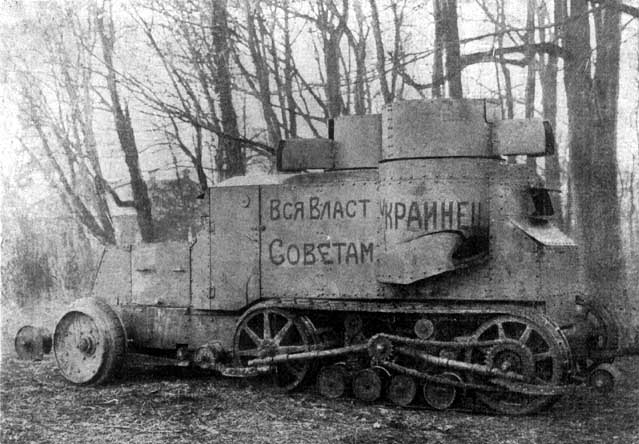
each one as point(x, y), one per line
point(402, 390)
point(441, 397)
point(424, 328)
point(333, 380)
point(368, 384)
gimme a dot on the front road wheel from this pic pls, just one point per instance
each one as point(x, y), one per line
point(89, 342)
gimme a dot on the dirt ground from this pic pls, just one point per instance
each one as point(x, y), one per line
point(154, 403)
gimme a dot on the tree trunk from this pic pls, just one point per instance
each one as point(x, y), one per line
point(605, 220)
point(510, 101)
point(438, 54)
point(126, 136)
point(530, 60)
point(592, 120)
point(228, 147)
point(360, 78)
point(359, 48)
point(288, 78)
point(199, 166)
point(357, 42)
point(453, 58)
point(253, 13)
point(531, 77)
point(398, 51)
point(549, 104)
point(381, 58)
point(332, 39)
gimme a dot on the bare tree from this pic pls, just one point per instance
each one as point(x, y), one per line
point(331, 22)
point(201, 84)
point(502, 69)
point(447, 63)
point(124, 128)
point(451, 38)
point(199, 43)
point(357, 40)
point(501, 25)
point(438, 52)
point(390, 89)
point(592, 117)
point(455, 62)
point(270, 71)
point(548, 75)
point(531, 71)
point(229, 153)
point(57, 113)
point(531, 76)
point(259, 52)
point(332, 25)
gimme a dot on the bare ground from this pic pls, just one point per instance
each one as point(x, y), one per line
point(152, 403)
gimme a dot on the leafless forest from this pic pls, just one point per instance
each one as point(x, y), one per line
point(115, 115)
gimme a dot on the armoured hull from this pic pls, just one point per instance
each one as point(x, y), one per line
point(404, 252)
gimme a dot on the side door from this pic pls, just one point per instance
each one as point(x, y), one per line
point(160, 274)
point(235, 246)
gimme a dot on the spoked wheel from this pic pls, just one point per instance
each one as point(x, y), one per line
point(89, 342)
point(271, 331)
point(532, 348)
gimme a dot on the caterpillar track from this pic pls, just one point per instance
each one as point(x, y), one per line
point(515, 361)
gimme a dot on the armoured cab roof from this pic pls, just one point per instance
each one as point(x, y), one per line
point(302, 179)
point(418, 129)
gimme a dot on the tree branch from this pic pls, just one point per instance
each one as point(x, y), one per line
point(539, 48)
point(492, 55)
point(626, 9)
point(119, 202)
point(630, 10)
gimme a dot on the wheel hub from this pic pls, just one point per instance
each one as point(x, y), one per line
point(267, 348)
point(511, 357)
point(508, 362)
point(381, 349)
point(86, 345)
